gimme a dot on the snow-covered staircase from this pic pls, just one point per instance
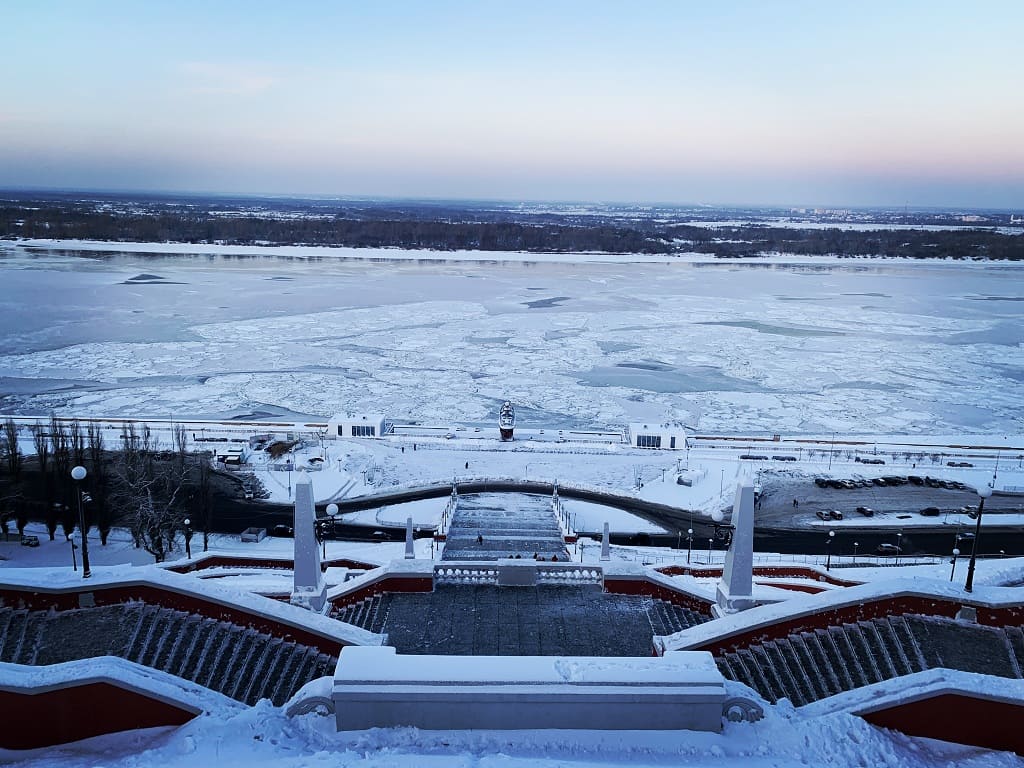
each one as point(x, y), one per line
point(808, 666)
point(237, 661)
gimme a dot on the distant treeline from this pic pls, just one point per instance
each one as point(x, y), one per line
point(356, 233)
point(470, 229)
point(909, 243)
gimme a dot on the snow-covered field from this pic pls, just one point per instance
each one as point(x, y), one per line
point(770, 345)
point(264, 736)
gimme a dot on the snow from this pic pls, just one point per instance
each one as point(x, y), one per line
point(120, 672)
point(801, 604)
point(358, 665)
point(772, 345)
point(52, 579)
point(262, 736)
point(918, 685)
point(760, 346)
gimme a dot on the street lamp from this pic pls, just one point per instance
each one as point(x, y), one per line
point(899, 547)
point(689, 544)
point(74, 563)
point(855, 545)
point(983, 493)
point(710, 543)
point(188, 537)
point(828, 549)
point(78, 475)
point(956, 554)
point(332, 511)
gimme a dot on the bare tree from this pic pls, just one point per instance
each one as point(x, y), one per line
point(205, 505)
point(11, 450)
point(41, 441)
point(98, 479)
point(151, 497)
point(62, 474)
point(77, 441)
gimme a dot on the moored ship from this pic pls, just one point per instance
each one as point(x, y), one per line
point(506, 420)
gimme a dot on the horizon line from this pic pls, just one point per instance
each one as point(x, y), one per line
point(496, 200)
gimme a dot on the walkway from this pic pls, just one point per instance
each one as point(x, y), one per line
point(491, 526)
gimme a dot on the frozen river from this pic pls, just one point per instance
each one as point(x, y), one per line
point(852, 346)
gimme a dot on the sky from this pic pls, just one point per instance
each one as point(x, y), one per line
point(791, 102)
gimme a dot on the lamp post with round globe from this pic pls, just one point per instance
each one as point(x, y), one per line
point(828, 545)
point(332, 511)
point(717, 517)
point(78, 475)
point(689, 544)
point(983, 493)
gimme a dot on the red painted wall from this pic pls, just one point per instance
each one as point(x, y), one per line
point(658, 592)
point(226, 561)
point(961, 719)
point(79, 712)
point(779, 571)
point(389, 584)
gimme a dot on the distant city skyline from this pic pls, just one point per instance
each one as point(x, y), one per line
point(790, 104)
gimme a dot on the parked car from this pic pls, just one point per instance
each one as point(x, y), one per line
point(821, 482)
point(872, 461)
point(835, 514)
point(823, 514)
point(959, 464)
point(915, 479)
point(866, 511)
point(888, 549)
point(282, 531)
point(931, 511)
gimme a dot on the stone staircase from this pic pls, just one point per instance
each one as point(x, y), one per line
point(808, 666)
point(370, 613)
point(667, 618)
point(239, 662)
point(507, 525)
point(545, 620)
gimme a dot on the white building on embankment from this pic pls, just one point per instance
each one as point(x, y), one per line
point(356, 425)
point(670, 435)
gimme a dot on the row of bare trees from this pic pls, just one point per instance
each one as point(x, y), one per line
point(141, 484)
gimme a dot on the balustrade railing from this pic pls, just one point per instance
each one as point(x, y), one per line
point(547, 573)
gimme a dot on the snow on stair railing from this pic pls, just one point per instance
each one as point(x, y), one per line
point(547, 573)
point(466, 573)
point(569, 574)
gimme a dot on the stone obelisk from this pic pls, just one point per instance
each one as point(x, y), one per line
point(309, 589)
point(736, 589)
